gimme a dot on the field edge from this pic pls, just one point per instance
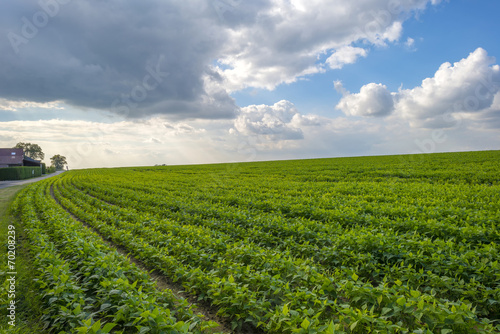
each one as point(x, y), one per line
point(28, 310)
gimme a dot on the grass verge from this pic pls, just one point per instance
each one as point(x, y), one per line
point(28, 304)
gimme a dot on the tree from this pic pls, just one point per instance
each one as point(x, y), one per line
point(58, 161)
point(31, 150)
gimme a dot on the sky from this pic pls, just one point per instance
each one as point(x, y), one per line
point(138, 83)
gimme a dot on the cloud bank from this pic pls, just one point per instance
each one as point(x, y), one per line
point(469, 88)
point(158, 76)
point(135, 59)
point(283, 43)
point(180, 58)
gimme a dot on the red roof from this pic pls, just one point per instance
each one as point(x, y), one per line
point(11, 156)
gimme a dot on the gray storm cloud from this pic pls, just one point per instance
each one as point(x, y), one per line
point(133, 58)
point(179, 58)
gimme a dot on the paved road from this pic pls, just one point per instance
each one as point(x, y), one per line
point(5, 184)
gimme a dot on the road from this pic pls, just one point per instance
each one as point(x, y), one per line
point(5, 184)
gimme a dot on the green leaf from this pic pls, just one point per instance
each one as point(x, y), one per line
point(305, 324)
point(330, 329)
point(77, 310)
point(355, 277)
point(144, 330)
point(386, 310)
point(401, 301)
point(96, 326)
point(415, 294)
point(353, 325)
point(234, 324)
point(105, 306)
point(285, 309)
point(446, 331)
point(108, 327)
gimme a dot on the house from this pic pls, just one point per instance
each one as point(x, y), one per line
point(14, 157)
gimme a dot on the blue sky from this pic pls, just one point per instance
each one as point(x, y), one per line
point(446, 32)
point(124, 83)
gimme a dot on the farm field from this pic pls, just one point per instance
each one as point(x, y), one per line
point(390, 244)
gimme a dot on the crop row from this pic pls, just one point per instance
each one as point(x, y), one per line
point(271, 288)
point(89, 287)
point(452, 270)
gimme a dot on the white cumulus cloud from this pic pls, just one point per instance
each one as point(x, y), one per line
point(465, 87)
point(410, 42)
point(372, 100)
point(281, 121)
point(283, 43)
point(345, 55)
point(271, 121)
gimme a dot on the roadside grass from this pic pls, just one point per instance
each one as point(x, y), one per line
point(29, 305)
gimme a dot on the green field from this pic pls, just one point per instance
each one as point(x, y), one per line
point(392, 244)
